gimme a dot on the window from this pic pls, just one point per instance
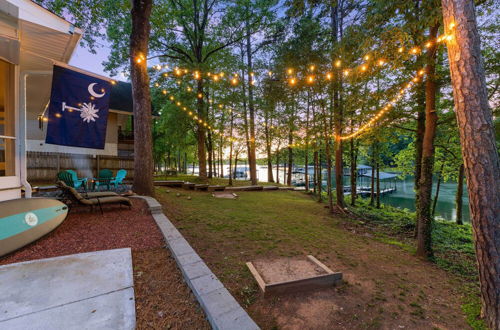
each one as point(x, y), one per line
point(7, 128)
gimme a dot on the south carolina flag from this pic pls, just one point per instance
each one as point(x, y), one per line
point(78, 110)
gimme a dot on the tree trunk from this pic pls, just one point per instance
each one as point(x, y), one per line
point(378, 185)
point(329, 173)
point(459, 195)
point(268, 148)
point(354, 173)
point(210, 154)
point(438, 186)
point(315, 174)
point(143, 141)
point(278, 165)
point(320, 186)
point(477, 136)
point(419, 140)
point(290, 162)
point(372, 186)
point(252, 160)
point(202, 155)
point(424, 218)
point(306, 156)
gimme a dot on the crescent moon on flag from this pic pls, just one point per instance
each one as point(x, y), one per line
point(93, 93)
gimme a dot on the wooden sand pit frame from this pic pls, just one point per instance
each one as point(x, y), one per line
point(325, 279)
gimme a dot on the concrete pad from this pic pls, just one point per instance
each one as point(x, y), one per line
point(106, 311)
point(53, 289)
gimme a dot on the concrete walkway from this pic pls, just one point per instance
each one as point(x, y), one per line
point(81, 291)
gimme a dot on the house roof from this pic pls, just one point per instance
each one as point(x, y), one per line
point(383, 175)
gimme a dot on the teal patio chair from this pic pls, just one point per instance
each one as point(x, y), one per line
point(103, 179)
point(67, 178)
point(78, 182)
point(118, 179)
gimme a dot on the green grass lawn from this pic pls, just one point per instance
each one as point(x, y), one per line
point(212, 181)
point(384, 280)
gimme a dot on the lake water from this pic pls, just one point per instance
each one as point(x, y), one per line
point(403, 197)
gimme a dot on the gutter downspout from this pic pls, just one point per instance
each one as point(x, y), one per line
point(22, 130)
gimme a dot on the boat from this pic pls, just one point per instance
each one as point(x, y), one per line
point(24, 220)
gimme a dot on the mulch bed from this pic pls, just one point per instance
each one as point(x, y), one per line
point(163, 300)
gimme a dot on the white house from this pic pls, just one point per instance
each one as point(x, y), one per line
point(32, 40)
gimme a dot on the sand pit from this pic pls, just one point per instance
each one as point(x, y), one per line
point(227, 195)
point(292, 274)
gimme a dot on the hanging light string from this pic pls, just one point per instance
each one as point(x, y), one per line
point(369, 61)
point(388, 106)
point(192, 114)
point(189, 89)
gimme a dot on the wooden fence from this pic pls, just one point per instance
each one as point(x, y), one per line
point(44, 166)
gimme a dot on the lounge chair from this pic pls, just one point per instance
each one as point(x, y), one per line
point(67, 178)
point(64, 187)
point(78, 182)
point(94, 199)
point(118, 179)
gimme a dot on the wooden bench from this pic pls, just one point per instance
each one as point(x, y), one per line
point(188, 185)
point(246, 188)
point(271, 188)
point(169, 183)
point(216, 188)
point(201, 187)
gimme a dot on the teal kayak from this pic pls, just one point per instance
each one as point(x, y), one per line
point(25, 220)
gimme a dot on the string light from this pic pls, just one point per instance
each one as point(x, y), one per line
point(140, 58)
point(363, 67)
point(382, 111)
